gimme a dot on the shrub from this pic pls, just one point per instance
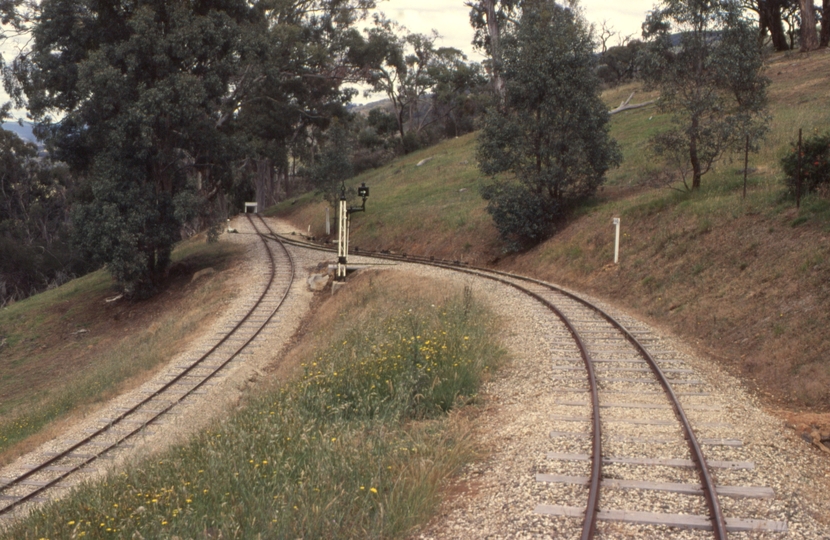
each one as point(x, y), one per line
point(521, 218)
point(815, 164)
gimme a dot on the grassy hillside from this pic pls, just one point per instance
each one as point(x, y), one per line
point(65, 350)
point(431, 209)
point(746, 280)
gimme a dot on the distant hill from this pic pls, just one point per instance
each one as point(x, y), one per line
point(364, 108)
point(23, 131)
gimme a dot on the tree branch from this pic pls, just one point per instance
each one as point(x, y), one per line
point(626, 106)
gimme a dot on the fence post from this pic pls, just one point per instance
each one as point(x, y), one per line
point(798, 175)
point(746, 164)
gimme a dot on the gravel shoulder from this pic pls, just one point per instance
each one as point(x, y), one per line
point(495, 498)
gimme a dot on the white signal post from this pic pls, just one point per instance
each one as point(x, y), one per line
point(616, 223)
point(342, 238)
point(343, 228)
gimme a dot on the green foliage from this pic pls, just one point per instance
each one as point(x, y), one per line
point(407, 68)
point(552, 132)
point(334, 164)
point(815, 164)
point(383, 122)
point(618, 64)
point(458, 94)
point(289, 87)
point(711, 82)
point(520, 217)
point(142, 86)
point(35, 195)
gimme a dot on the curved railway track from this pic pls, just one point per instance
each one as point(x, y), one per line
point(56, 471)
point(597, 356)
point(610, 353)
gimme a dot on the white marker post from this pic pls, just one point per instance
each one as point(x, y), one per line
point(617, 241)
point(328, 222)
point(343, 228)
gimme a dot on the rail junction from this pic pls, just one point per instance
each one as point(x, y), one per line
point(612, 381)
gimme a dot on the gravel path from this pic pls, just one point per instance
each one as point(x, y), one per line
point(532, 409)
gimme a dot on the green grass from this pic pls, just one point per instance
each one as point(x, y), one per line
point(357, 447)
point(434, 209)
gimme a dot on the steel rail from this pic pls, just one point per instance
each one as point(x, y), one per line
point(41, 467)
point(707, 481)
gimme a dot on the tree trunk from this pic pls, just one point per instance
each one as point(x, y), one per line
point(825, 24)
point(399, 117)
point(495, 49)
point(264, 179)
point(696, 173)
point(809, 36)
point(770, 18)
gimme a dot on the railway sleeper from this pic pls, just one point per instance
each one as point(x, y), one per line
point(671, 520)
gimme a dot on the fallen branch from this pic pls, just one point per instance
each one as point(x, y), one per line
point(625, 105)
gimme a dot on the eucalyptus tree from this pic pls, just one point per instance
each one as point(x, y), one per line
point(771, 16)
point(141, 90)
point(295, 67)
point(490, 19)
point(457, 96)
point(710, 82)
point(551, 132)
point(809, 34)
point(34, 201)
point(399, 64)
point(154, 102)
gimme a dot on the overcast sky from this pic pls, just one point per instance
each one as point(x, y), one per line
point(451, 19)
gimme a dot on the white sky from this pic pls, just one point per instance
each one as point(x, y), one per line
point(451, 19)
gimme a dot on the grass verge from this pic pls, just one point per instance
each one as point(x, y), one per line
point(355, 446)
point(67, 349)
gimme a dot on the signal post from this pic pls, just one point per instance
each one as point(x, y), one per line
point(343, 227)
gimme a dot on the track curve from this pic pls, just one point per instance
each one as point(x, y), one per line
point(35, 484)
point(538, 290)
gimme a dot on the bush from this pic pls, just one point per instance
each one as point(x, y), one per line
point(551, 133)
point(521, 218)
point(815, 164)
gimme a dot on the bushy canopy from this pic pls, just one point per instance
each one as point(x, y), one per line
point(710, 81)
point(551, 132)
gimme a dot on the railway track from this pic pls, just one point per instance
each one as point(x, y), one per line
point(605, 369)
point(55, 472)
